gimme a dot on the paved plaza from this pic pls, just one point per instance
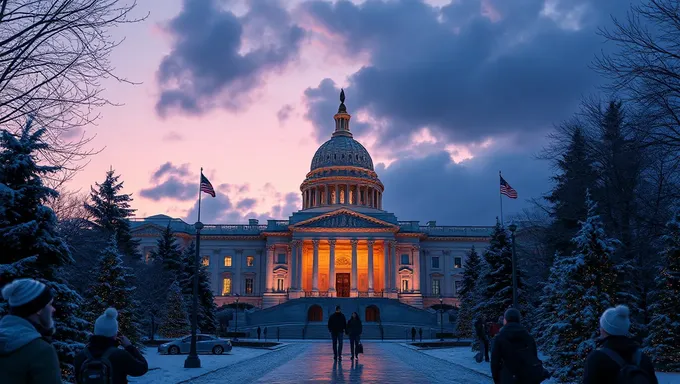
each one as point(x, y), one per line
point(313, 363)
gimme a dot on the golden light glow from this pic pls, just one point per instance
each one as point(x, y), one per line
point(227, 261)
point(205, 261)
point(226, 286)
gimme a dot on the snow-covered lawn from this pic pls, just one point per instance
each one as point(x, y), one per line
point(466, 358)
point(169, 369)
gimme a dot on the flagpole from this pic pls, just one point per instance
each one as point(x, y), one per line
point(192, 360)
point(500, 196)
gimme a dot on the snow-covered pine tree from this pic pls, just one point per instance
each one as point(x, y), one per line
point(112, 288)
point(29, 240)
point(110, 210)
point(663, 342)
point(167, 252)
point(207, 322)
point(547, 310)
point(496, 282)
point(587, 286)
point(176, 319)
point(467, 293)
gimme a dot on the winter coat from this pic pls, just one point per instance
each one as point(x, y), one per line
point(26, 356)
point(601, 369)
point(124, 362)
point(512, 337)
point(479, 330)
point(354, 327)
point(337, 323)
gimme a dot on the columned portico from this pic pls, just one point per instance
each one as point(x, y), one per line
point(355, 290)
point(370, 266)
point(331, 267)
point(315, 267)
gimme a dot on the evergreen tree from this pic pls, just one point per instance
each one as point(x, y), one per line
point(585, 285)
point(175, 322)
point(547, 309)
point(663, 342)
point(467, 293)
point(111, 214)
point(568, 196)
point(496, 289)
point(112, 288)
point(30, 244)
point(207, 308)
point(167, 252)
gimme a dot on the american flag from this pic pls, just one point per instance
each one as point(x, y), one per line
point(507, 190)
point(206, 186)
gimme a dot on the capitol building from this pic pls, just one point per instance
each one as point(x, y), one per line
point(341, 244)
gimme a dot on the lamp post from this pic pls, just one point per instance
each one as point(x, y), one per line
point(513, 227)
point(441, 318)
point(192, 361)
point(236, 326)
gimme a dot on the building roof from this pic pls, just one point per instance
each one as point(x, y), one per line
point(341, 151)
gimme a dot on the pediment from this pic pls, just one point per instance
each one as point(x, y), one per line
point(345, 219)
point(147, 229)
point(405, 271)
point(281, 270)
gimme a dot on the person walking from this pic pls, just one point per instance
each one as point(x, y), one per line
point(482, 339)
point(337, 323)
point(420, 331)
point(354, 329)
point(265, 333)
point(259, 333)
point(26, 353)
point(514, 358)
point(413, 334)
point(102, 360)
point(618, 358)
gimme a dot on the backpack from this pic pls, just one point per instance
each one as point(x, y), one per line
point(97, 370)
point(529, 368)
point(628, 373)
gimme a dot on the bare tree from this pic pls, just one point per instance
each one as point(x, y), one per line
point(645, 66)
point(53, 56)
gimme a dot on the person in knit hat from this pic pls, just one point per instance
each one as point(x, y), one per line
point(103, 344)
point(26, 353)
point(615, 348)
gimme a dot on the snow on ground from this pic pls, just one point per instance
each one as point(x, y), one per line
point(169, 369)
point(466, 358)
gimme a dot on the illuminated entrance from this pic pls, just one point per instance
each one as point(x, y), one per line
point(342, 283)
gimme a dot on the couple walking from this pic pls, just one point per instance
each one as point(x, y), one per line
point(337, 326)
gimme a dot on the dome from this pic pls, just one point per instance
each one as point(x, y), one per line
point(342, 151)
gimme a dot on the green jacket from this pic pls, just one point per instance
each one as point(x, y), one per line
point(25, 357)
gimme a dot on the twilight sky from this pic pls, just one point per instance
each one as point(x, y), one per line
point(443, 94)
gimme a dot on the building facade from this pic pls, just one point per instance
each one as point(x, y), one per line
point(341, 243)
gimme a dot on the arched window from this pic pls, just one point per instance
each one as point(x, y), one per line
point(315, 313)
point(372, 314)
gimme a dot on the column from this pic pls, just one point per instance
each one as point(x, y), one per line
point(416, 267)
point(269, 282)
point(395, 265)
point(370, 265)
point(315, 266)
point(447, 289)
point(331, 266)
point(354, 243)
point(386, 266)
point(236, 276)
point(292, 284)
point(299, 264)
point(289, 261)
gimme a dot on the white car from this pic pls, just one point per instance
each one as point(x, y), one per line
point(204, 344)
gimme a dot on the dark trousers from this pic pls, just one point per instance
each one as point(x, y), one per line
point(353, 343)
point(337, 343)
point(485, 344)
point(413, 337)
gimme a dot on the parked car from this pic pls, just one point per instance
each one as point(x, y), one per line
point(204, 343)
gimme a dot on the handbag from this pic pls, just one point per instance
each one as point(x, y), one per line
point(360, 348)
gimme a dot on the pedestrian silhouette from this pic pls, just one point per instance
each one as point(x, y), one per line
point(265, 333)
point(413, 334)
point(420, 331)
point(259, 331)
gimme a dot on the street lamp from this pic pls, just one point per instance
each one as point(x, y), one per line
point(441, 318)
point(236, 326)
point(192, 361)
point(513, 227)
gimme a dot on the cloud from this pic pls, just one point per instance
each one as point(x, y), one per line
point(173, 136)
point(215, 60)
point(173, 188)
point(247, 203)
point(284, 113)
point(467, 71)
point(170, 169)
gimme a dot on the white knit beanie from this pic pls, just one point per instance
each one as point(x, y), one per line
point(616, 321)
point(106, 324)
point(26, 296)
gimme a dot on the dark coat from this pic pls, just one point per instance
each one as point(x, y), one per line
point(26, 355)
point(354, 326)
point(337, 323)
point(479, 329)
point(124, 362)
point(601, 369)
point(504, 363)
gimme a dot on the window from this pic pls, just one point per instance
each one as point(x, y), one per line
point(404, 285)
point(250, 261)
point(227, 261)
point(279, 284)
point(226, 286)
point(404, 258)
point(435, 288)
point(249, 286)
point(148, 254)
point(457, 262)
point(281, 258)
point(457, 286)
point(205, 261)
point(435, 261)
